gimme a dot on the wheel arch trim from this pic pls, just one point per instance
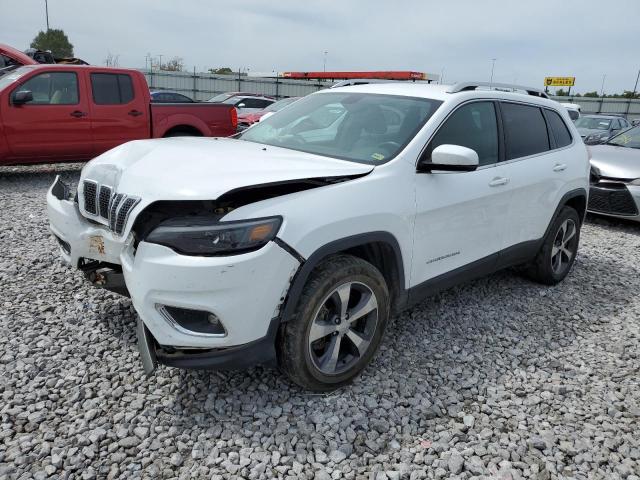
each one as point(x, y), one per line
point(304, 271)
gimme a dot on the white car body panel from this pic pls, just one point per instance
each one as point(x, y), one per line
point(441, 221)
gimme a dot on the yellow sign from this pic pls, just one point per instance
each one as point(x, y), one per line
point(559, 81)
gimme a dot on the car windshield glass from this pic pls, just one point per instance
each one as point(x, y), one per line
point(629, 138)
point(594, 123)
point(360, 127)
point(12, 76)
point(280, 104)
point(220, 98)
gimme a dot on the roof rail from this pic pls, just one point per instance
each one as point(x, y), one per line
point(464, 86)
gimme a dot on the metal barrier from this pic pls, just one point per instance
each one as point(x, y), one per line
point(202, 86)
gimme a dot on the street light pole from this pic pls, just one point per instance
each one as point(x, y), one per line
point(324, 63)
point(46, 9)
point(160, 65)
point(602, 87)
point(635, 87)
point(493, 64)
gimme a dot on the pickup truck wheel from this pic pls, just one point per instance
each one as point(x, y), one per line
point(559, 248)
point(337, 325)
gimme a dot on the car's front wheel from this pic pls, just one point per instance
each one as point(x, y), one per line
point(337, 325)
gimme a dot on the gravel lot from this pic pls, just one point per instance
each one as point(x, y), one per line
point(499, 378)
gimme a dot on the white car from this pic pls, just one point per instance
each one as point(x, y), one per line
point(294, 243)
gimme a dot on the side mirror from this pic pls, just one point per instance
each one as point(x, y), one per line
point(240, 105)
point(450, 158)
point(22, 97)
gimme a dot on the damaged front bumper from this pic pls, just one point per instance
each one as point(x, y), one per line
point(240, 294)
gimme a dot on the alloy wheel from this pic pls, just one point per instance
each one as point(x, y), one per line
point(564, 247)
point(343, 328)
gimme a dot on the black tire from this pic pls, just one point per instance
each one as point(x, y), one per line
point(545, 268)
point(299, 357)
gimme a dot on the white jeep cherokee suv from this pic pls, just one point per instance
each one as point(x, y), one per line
point(295, 242)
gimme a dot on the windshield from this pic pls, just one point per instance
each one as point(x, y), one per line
point(629, 138)
point(220, 97)
point(573, 114)
point(593, 123)
point(12, 76)
point(280, 104)
point(361, 127)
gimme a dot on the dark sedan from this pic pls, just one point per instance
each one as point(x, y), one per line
point(164, 96)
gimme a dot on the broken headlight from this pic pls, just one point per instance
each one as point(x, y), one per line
point(206, 237)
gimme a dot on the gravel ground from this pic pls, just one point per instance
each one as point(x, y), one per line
point(499, 378)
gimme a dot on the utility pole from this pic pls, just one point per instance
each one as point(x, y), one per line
point(493, 64)
point(160, 66)
point(635, 87)
point(442, 76)
point(46, 10)
point(324, 63)
point(602, 87)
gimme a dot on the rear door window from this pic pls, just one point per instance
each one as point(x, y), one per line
point(111, 88)
point(525, 130)
point(558, 128)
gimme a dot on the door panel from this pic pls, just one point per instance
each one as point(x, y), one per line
point(55, 125)
point(532, 167)
point(119, 112)
point(460, 219)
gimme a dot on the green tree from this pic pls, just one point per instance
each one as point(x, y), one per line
point(221, 71)
point(630, 94)
point(54, 40)
point(561, 92)
point(593, 94)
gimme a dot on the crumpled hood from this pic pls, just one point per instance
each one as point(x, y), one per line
point(188, 168)
point(616, 162)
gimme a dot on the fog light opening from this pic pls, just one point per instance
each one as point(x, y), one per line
point(193, 322)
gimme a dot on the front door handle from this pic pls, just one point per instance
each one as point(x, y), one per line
point(496, 182)
point(559, 167)
point(135, 113)
point(78, 114)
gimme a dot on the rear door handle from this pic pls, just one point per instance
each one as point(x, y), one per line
point(78, 114)
point(135, 113)
point(496, 182)
point(559, 167)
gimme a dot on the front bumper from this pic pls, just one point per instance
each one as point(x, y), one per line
point(615, 199)
point(244, 291)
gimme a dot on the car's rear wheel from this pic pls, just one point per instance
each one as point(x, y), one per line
point(337, 326)
point(559, 248)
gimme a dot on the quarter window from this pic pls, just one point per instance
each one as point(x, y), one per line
point(52, 88)
point(473, 126)
point(111, 88)
point(525, 130)
point(559, 129)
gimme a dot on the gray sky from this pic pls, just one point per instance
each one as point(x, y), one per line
point(530, 40)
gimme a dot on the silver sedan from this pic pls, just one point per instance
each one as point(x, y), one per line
point(615, 176)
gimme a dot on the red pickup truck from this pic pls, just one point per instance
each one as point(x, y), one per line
point(58, 113)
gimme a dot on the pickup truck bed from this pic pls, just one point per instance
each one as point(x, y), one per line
point(57, 113)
